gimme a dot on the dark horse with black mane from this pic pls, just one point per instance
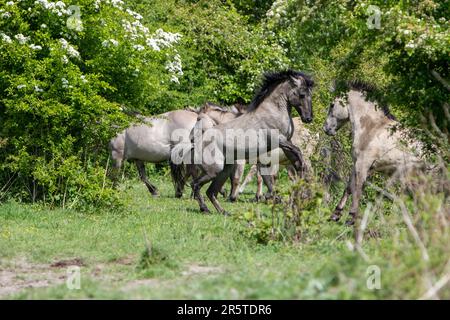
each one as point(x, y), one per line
point(266, 125)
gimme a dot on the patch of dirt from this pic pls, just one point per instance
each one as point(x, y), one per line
point(126, 260)
point(68, 262)
point(195, 269)
point(19, 274)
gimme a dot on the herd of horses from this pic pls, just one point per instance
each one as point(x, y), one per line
point(375, 145)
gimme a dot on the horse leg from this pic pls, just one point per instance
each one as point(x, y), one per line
point(292, 174)
point(259, 186)
point(294, 155)
point(236, 176)
point(248, 178)
point(216, 185)
point(141, 169)
point(197, 184)
point(360, 174)
point(340, 206)
point(268, 179)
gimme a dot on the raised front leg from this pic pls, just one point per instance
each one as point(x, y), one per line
point(141, 169)
point(294, 155)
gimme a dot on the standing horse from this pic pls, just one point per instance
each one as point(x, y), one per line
point(375, 146)
point(268, 118)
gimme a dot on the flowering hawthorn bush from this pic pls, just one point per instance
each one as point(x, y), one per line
point(67, 71)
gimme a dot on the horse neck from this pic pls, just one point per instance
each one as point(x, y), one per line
point(277, 112)
point(361, 111)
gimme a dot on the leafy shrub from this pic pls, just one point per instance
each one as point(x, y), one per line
point(298, 218)
point(64, 81)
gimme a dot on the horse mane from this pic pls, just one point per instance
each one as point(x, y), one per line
point(271, 80)
point(372, 92)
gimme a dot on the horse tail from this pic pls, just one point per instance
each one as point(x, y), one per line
point(178, 167)
point(178, 173)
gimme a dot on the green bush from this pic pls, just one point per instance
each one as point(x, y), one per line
point(64, 82)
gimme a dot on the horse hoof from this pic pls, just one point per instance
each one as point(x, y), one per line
point(231, 199)
point(205, 210)
point(334, 217)
point(178, 195)
point(226, 214)
point(350, 222)
point(155, 195)
point(277, 199)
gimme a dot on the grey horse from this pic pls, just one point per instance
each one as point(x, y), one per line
point(375, 146)
point(268, 117)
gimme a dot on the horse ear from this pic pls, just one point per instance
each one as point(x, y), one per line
point(296, 81)
point(234, 110)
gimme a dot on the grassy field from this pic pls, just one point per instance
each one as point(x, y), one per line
point(164, 248)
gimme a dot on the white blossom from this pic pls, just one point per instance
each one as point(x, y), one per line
point(117, 3)
point(138, 47)
point(58, 8)
point(10, 3)
point(37, 89)
point(71, 51)
point(134, 14)
point(175, 68)
point(162, 39)
point(152, 43)
point(21, 86)
point(83, 79)
point(65, 83)
point(6, 15)
point(21, 38)
point(35, 47)
point(106, 43)
point(5, 37)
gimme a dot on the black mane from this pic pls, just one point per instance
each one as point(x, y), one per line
point(271, 80)
point(372, 92)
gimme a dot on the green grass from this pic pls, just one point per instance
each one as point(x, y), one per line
point(164, 248)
